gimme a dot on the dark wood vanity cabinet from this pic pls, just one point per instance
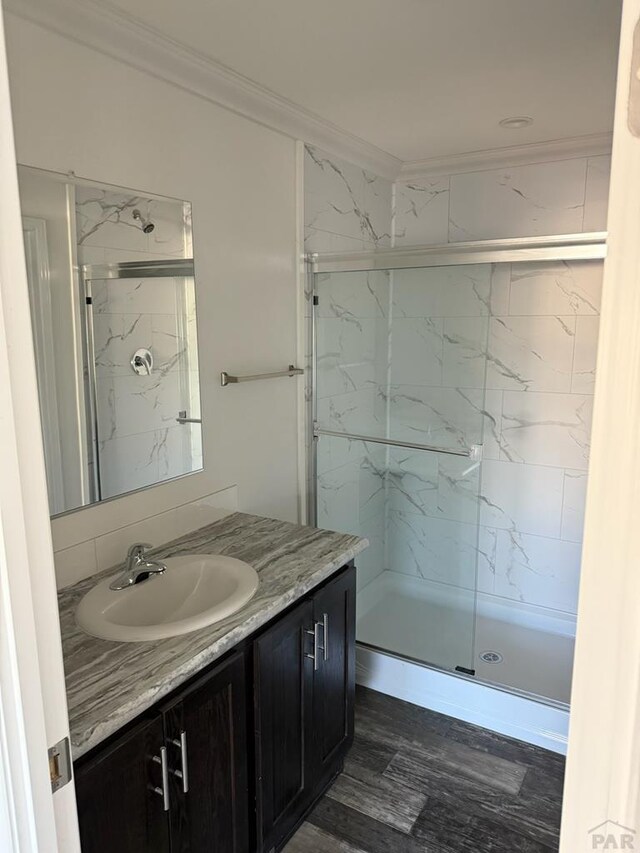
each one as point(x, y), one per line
point(188, 779)
point(117, 807)
point(176, 782)
point(206, 736)
point(304, 685)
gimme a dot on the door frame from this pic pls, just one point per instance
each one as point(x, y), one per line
point(603, 762)
point(33, 707)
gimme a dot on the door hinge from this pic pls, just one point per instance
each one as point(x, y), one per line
point(88, 300)
point(316, 299)
point(59, 764)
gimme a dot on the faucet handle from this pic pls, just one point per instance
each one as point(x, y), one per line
point(138, 549)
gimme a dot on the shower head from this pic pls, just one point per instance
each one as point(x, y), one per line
point(146, 224)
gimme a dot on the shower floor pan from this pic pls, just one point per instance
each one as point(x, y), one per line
point(530, 648)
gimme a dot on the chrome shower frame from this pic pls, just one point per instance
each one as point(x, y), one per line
point(564, 247)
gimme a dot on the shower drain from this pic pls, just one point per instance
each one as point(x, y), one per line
point(491, 657)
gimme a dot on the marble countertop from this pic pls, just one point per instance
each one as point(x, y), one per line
point(110, 683)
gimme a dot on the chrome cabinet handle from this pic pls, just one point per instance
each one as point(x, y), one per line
point(164, 790)
point(325, 636)
point(184, 772)
point(314, 657)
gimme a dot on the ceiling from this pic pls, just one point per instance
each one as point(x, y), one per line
point(416, 78)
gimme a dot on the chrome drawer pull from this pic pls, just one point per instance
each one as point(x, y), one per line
point(314, 657)
point(164, 790)
point(184, 773)
point(325, 636)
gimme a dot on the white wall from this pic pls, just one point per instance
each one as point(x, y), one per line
point(80, 110)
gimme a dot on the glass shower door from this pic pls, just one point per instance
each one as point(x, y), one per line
point(399, 420)
point(143, 376)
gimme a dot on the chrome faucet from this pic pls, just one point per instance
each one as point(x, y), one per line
point(138, 567)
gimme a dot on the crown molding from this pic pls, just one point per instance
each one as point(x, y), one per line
point(515, 155)
point(123, 37)
point(101, 26)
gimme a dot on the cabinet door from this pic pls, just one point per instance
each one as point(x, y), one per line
point(334, 615)
point(206, 737)
point(119, 795)
point(283, 675)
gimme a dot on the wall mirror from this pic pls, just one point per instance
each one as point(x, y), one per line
point(113, 304)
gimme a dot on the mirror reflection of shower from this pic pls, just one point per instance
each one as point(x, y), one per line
point(146, 224)
point(112, 290)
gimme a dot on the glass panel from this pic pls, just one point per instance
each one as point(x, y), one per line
point(139, 439)
point(401, 355)
point(419, 510)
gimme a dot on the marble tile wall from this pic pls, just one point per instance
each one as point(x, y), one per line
point(140, 442)
point(526, 332)
point(564, 197)
point(541, 349)
point(534, 422)
point(348, 208)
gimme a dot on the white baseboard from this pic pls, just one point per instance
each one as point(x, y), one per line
point(506, 713)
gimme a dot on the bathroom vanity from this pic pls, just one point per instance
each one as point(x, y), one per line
point(224, 738)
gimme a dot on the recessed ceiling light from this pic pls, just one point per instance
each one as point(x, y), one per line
point(516, 122)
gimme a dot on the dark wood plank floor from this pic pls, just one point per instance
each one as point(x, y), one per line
point(420, 782)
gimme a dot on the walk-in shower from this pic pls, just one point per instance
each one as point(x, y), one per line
point(450, 417)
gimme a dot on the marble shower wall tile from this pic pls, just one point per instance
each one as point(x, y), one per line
point(463, 291)
point(585, 355)
point(449, 418)
point(351, 354)
point(136, 296)
point(416, 350)
point(524, 498)
point(542, 289)
point(421, 208)
point(352, 496)
point(432, 548)
point(597, 193)
point(537, 570)
point(566, 196)
point(135, 404)
point(116, 338)
point(140, 442)
point(573, 504)
point(345, 200)
point(129, 462)
point(536, 326)
point(361, 412)
point(531, 353)
point(464, 355)
point(546, 429)
point(169, 346)
point(104, 219)
point(361, 295)
point(532, 200)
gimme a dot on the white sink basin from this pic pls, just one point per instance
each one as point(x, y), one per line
point(194, 591)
